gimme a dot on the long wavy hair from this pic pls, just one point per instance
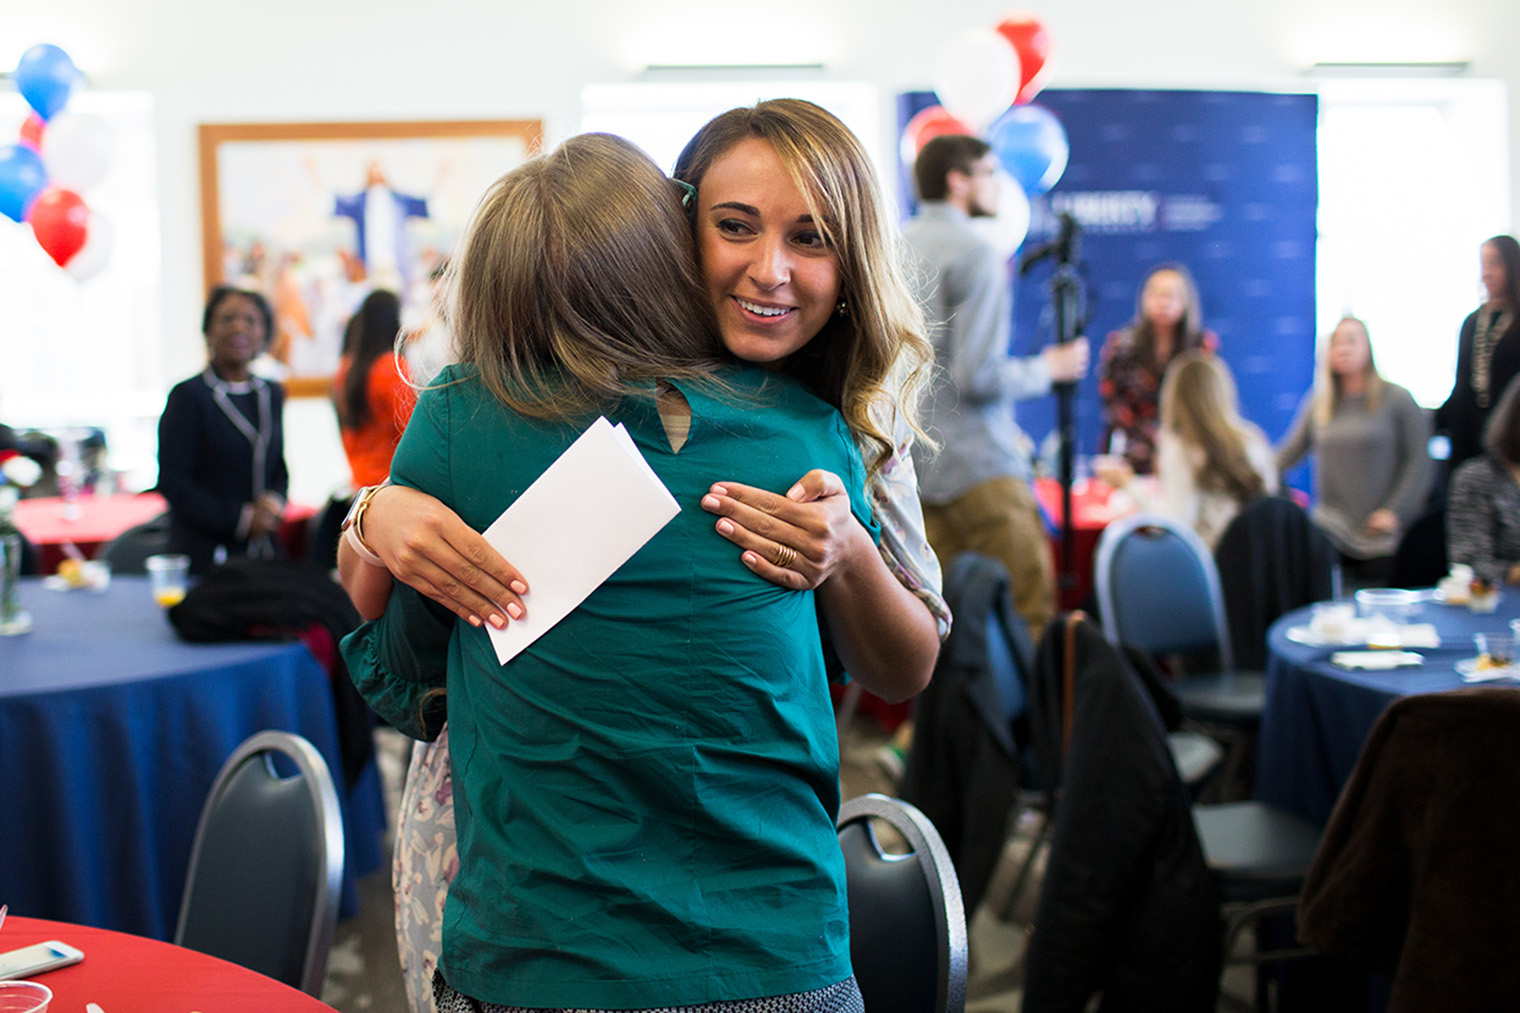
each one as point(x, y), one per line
point(870, 361)
point(1327, 383)
point(371, 333)
point(577, 283)
point(1189, 329)
point(1198, 406)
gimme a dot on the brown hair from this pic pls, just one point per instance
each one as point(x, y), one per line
point(871, 361)
point(941, 156)
point(1501, 436)
point(577, 284)
point(1198, 405)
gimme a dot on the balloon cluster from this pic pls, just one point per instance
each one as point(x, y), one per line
point(58, 154)
point(984, 79)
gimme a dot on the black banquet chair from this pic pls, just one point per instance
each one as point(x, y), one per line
point(267, 863)
point(907, 926)
point(128, 552)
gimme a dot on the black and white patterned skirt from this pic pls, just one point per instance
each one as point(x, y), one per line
point(841, 997)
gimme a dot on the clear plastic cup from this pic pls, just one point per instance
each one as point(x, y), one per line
point(168, 576)
point(24, 997)
point(1495, 650)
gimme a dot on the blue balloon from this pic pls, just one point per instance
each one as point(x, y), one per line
point(46, 77)
point(22, 178)
point(1031, 144)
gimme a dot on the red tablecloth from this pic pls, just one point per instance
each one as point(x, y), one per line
point(92, 521)
point(1093, 506)
point(130, 974)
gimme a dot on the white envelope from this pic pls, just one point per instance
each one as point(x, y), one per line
point(574, 526)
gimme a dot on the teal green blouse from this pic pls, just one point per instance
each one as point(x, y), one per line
point(646, 796)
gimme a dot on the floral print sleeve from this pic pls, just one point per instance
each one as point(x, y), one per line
point(904, 546)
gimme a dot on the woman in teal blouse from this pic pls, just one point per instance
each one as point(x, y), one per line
point(644, 795)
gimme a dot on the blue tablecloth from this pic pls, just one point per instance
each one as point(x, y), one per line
point(1318, 715)
point(111, 733)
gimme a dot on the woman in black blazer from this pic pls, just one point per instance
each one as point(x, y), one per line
point(1488, 352)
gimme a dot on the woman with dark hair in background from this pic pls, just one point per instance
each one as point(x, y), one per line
point(370, 389)
point(1168, 322)
point(221, 442)
point(1488, 352)
point(1483, 508)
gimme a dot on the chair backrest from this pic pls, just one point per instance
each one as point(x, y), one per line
point(907, 926)
point(1272, 559)
point(1420, 560)
point(267, 863)
point(1127, 906)
point(128, 552)
point(1414, 877)
point(1158, 588)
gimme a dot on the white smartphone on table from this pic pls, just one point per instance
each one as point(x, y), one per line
point(35, 959)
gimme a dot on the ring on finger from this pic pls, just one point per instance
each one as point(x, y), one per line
point(785, 556)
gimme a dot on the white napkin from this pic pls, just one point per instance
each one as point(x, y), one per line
point(1376, 661)
point(577, 523)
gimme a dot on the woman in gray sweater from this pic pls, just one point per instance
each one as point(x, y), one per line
point(1371, 465)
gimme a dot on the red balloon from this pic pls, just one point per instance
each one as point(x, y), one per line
point(1032, 42)
point(926, 125)
point(60, 219)
point(31, 132)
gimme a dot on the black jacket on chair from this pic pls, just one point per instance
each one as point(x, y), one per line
point(963, 769)
point(1127, 907)
point(1272, 560)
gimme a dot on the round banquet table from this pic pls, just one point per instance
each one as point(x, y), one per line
point(131, 974)
point(1318, 715)
point(112, 730)
point(89, 522)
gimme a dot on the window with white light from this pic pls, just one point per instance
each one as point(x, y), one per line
point(661, 116)
point(1413, 176)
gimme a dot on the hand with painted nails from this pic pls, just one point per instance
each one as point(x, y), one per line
point(796, 541)
point(424, 544)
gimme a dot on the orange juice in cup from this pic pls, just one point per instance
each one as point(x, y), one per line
point(167, 576)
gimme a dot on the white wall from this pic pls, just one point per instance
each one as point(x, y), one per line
point(283, 60)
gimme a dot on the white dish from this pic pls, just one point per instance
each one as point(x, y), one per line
point(1309, 637)
point(1468, 669)
point(1439, 597)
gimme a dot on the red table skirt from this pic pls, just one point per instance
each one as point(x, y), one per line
point(131, 974)
point(92, 521)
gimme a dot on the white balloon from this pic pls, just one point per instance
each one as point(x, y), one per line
point(1006, 230)
point(976, 75)
point(76, 150)
point(99, 239)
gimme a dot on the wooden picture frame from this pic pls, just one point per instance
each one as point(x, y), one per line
point(294, 210)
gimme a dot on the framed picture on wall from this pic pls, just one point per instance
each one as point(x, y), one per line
point(318, 215)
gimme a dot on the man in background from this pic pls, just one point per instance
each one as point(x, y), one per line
point(976, 490)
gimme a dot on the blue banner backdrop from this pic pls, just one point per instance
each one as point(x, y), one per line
point(1224, 182)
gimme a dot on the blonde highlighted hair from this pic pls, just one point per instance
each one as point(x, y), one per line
point(577, 283)
point(1327, 383)
point(870, 360)
point(1198, 406)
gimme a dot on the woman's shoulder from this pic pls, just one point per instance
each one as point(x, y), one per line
point(1476, 473)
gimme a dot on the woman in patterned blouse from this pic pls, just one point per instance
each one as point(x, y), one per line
point(1483, 509)
point(1168, 322)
